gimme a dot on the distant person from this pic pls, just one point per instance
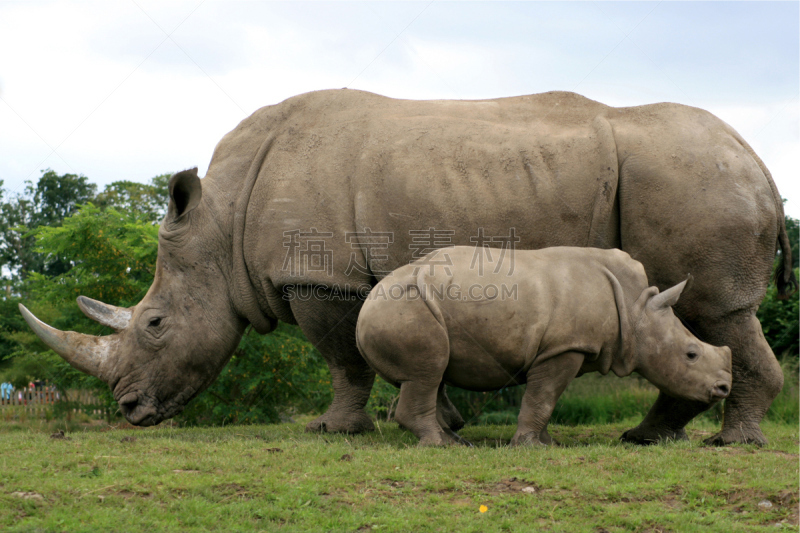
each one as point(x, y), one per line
point(5, 391)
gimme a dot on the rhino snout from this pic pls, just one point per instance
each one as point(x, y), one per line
point(721, 390)
point(137, 412)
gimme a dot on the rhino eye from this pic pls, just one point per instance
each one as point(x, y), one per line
point(155, 322)
point(692, 356)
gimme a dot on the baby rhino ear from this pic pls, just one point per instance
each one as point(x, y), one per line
point(185, 192)
point(668, 298)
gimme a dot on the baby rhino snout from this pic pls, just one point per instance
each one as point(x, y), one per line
point(722, 385)
point(720, 390)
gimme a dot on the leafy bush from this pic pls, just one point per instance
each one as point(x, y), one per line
point(269, 377)
point(780, 320)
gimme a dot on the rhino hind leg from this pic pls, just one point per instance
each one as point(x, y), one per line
point(417, 412)
point(451, 418)
point(405, 344)
point(330, 324)
point(546, 382)
point(757, 380)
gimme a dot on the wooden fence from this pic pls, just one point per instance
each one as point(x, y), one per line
point(39, 402)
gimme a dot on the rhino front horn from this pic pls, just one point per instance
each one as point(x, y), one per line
point(87, 353)
point(108, 315)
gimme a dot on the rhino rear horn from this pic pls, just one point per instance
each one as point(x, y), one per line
point(668, 298)
point(108, 315)
point(87, 353)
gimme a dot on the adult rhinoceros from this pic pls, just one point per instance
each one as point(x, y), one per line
point(297, 195)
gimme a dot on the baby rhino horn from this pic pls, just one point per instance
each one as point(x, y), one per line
point(668, 298)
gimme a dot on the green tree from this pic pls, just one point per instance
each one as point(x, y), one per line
point(148, 199)
point(46, 203)
point(111, 256)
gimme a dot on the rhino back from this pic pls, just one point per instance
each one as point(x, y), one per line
point(344, 161)
point(693, 200)
point(556, 300)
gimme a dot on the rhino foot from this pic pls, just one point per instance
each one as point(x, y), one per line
point(652, 435)
point(529, 439)
point(341, 422)
point(737, 436)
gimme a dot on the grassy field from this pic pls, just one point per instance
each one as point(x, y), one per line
point(277, 477)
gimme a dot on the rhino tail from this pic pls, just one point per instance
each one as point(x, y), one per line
point(784, 277)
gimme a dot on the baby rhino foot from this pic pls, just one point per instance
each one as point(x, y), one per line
point(532, 438)
point(443, 437)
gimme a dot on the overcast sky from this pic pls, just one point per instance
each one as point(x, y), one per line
point(131, 89)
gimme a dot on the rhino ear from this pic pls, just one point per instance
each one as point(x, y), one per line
point(668, 298)
point(185, 192)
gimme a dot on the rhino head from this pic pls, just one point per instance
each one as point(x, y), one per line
point(175, 342)
point(670, 356)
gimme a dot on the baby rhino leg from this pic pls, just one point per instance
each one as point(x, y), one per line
point(402, 340)
point(546, 382)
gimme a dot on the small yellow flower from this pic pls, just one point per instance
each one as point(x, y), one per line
point(483, 508)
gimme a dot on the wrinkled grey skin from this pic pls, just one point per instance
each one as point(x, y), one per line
point(673, 186)
point(461, 317)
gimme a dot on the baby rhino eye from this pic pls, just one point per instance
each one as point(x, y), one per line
point(692, 356)
point(155, 322)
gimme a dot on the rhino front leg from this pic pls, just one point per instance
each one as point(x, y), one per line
point(330, 324)
point(545, 384)
point(757, 380)
point(665, 421)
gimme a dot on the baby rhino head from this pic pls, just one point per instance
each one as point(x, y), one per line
point(671, 357)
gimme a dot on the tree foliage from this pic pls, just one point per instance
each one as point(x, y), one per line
point(45, 203)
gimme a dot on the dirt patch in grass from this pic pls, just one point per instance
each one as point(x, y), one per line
point(128, 494)
point(513, 485)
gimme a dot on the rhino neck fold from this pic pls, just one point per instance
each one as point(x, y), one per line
point(248, 301)
point(623, 359)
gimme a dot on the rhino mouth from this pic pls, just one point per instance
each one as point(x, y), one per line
point(719, 391)
point(143, 410)
point(139, 410)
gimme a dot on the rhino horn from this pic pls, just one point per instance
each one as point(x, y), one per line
point(87, 353)
point(108, 315)
point(668, 298)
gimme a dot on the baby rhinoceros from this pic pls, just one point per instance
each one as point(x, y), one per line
point(482, 319)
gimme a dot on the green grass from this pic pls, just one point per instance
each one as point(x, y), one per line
point(277, 477)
